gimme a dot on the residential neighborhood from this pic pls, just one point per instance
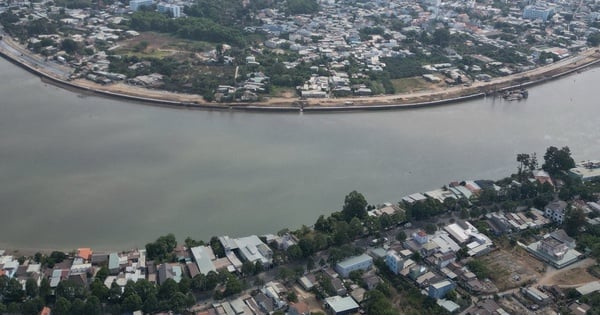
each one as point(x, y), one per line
point(341, 49)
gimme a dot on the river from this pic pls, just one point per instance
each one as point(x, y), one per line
point(81, 170)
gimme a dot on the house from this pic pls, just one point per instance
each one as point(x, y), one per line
point(555, 210)
point(84, 253)
point(113, 263)
point(338, 305)
point(578, 308)
point(394, 262)
point(169, 271)
point(586, 170)
point(362, 262)
point(204, 256)
point(536, 295)
point(249, 248)
point(439, 290)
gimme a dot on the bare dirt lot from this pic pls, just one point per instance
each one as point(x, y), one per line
point(513, 267)
point(573, 275)
point(309, 299)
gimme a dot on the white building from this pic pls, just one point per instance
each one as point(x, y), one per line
point(135, 5)
point(556, 211)
point(204, 256)
point(249, 248)
point(362, 262)
point(532, 12)
point(173, 9)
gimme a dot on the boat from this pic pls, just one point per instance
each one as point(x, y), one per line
point(515, 95)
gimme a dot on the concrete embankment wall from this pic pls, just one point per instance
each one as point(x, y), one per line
point(291, 108)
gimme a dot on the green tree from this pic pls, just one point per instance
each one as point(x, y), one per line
point(31, 307)
point(167, 289)
point(45, 290)
point(62, 306)
point(132, 302)
point(573, 221)
point(13, 292)
point(355, 205)
point(31, 288)
point(78, 306)
point(99, 290)
point(102, 273)
point(401, 236)
point(69, 46)
point(294, 252)
point(556, 160)
point(594, 39)
point(93, 306)
point(162, 248)
point(441, 37)
point(70, 290)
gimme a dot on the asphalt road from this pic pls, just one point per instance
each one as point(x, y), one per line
point(50, 67)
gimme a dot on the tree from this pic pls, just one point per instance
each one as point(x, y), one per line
point(132, 302)
point(92, 306)
point(161, 248)
point(294, 252)
point(167, 289)
point(574, 220)
point(70, 290)
point(441, 37)
point(150, 304)
point(78, 306)
point(31, 288)
point(401, 236)
point(62, 306)
point(69, 46)
point(102, 273)
point(292, 297)
point(13, 292)
point(556, 160)
point(99, 290)
point(594, 39)
point(31, 307)
point(45, 289)
point(355, 205)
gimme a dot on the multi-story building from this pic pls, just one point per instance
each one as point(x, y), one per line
point(556, 211)
point(532, 12)
point(135, 5)
point(173, 9)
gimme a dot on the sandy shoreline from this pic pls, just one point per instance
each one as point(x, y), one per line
point(425, 98)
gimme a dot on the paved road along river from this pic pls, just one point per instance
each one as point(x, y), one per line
point(78, 170)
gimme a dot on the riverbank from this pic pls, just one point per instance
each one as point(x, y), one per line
point(420, 99)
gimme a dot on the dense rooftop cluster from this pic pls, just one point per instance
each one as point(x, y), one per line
point(333, 49)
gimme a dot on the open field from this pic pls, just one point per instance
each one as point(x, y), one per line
point(414, 84)
point(511, 268)
point(310, 299)
point(158, 45)
point(570, 276)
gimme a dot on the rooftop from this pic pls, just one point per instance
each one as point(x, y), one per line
point(341, 304)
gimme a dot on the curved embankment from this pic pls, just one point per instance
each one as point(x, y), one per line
point(512, 84)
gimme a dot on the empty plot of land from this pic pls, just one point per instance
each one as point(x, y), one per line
point(574, 275)
point(512, 268)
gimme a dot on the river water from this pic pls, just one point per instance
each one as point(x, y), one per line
point(89, 171)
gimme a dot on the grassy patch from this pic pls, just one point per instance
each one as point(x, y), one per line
point(406, 85)
point(278, 91)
